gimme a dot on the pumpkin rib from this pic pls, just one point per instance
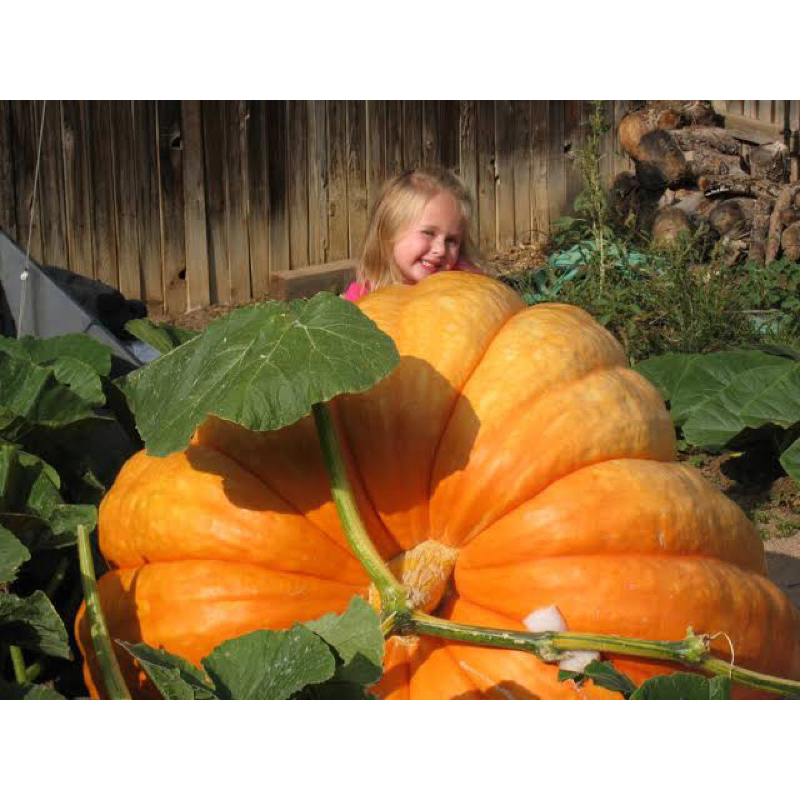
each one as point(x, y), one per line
point(647, 436)
point(342, 546)
point(456, 398)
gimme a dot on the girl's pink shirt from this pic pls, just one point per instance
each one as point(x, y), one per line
point(355, 291)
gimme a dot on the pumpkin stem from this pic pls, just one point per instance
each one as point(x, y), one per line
point(692, 651)
point(98, 630)
point(391, 592)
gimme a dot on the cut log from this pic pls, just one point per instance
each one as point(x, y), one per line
point(790, 242)
point(737, 186)
point(705, 161)
point(733, 217)
point(784, 201)
point(769, 162)
point(699, 112)
point(669, 224)
point(791, 214)
point(635, 124)
point(694, 204)
point(758, 234)
point(715, 138)
point(660, 163)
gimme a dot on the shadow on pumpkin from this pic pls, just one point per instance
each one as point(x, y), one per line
point(382, 431)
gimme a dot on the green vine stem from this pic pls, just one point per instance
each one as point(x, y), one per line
point(18, 662)
point(398, 618)
point(391, 591)
point(98, 630)
point(692, 651)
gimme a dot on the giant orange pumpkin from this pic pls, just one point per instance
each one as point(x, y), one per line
point(515, 460)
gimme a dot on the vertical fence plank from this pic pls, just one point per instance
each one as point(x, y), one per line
point(130, 281)
point(215, 168)
point(8, 201)
point(147, 203)
point(278, 182)
point(556, 171)
point(431, 134)
point(236, 187)
point(412, 134)
point(504, 166)
point(337, 179)
point(574, 138)
point(540, 204)
point(51, 185)
point(194, 207)
point(468, 159)
point(523, 223)
point(104, 240)
point(170, 168)
point(77, 198)
point(376, 149)
point(487, 177)
point(317, 182)
point(25, 136)
point(296, 112)
point(356, 176)
point(449, 140)
point(393, 138)
point(258, 217)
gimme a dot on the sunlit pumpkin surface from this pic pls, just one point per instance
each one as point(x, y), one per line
point(511, 462)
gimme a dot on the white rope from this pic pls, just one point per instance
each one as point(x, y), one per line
point(25, 272)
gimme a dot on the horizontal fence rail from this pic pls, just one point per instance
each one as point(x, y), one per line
point(183, 204)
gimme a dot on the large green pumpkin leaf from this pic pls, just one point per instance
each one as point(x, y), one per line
point(357, 639)
point(686, 381)
point(790, 460)
point(778, 401)
point(269, 665)
point(27, 691)
point(160, 337)
point(684, 686)
point(12, 555)
point(717, 420)
point(263, 367)
point(32, 623)
point(73, 346)
point(32, 395)
point(174, 676)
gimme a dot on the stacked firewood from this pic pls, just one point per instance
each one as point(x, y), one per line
point(691, 173)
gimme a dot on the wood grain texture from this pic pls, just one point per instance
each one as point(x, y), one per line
point(170, 169)
point(258, 216)
point(236, 200)
point(356, 176)
point(504, 148)
point(318, 182)
point(487, 177)
point(297, 124)
point(104, 239)
point(337, 180)
point(8, 201)
point(194, 207)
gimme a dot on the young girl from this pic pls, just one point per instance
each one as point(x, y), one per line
point(419, 226)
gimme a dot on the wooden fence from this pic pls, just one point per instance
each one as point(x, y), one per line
point(187, 203)
point(768, 116)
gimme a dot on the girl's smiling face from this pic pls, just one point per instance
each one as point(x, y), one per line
point(433, 242)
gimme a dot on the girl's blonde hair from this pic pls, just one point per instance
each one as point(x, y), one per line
point(399, 205)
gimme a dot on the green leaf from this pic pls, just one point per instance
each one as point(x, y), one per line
point(12, 555)
point(175, 677)
point(81, 379)
point(689, 380)
point(30, 394)
point(261, 366)
point(27, 691)
point(778, 401)
point(74, 346)
point(684, 686)
point(32, 623)
point(31, 505)
point(719, 418)
point(269, 665)
point(160, 337)
point(604, 674)
point(356, 637)
point(790, 460)
point(665, 372)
